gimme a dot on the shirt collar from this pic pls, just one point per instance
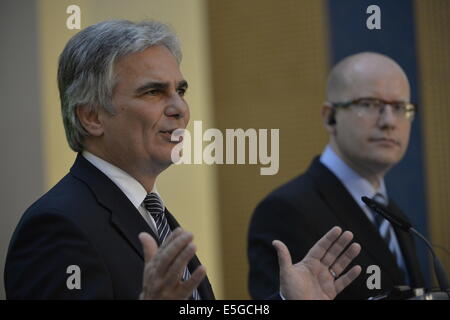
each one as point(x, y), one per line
point(354, 183)
point(132, 189)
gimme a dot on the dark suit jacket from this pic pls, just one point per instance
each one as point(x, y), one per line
point(84, 220)
point(300, 212)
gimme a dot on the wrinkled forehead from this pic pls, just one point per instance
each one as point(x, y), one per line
point(155, 63)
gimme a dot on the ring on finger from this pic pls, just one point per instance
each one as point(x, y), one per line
point(333, 274)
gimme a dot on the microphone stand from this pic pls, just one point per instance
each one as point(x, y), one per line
point(439, 271)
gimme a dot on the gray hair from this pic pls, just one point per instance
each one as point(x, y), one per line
point(86, 73)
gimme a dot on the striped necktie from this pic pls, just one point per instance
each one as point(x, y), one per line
point(154, 206)
point(383, 226)
point(386, 231)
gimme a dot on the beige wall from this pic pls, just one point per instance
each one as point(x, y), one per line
point(269, 67)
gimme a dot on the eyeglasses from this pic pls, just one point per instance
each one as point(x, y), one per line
point(373, 107)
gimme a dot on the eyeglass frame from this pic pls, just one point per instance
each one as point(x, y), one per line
point(409, 106)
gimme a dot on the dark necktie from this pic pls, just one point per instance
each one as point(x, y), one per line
point(154, 206)
point(383, 226)
point(386, 231)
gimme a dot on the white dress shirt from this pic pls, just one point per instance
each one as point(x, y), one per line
point(132, 189)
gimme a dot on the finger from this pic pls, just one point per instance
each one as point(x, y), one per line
point(173, 235)
point(284, 257)
point(321, 247)
point(166, 255)
point(193, 282)
point(337, 248)
point(341, 283)
point(346, 258)
point(176, 269)
point(149, 246)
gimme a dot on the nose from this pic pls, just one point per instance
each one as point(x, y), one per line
point(387, 118)
point(177, 107)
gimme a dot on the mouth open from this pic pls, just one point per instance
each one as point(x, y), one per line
point(173, 138)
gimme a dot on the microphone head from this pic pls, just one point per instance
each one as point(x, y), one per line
point(383, 211)
point(369, 202)
point(406, 226)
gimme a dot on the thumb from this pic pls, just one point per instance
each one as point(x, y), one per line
point(149, 246)
point(284, 257)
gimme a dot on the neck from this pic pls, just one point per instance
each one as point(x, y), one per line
point(146, 178)
point(373, 176)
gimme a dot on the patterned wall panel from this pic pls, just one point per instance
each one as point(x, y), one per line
point(269, 63)
point(433, 34)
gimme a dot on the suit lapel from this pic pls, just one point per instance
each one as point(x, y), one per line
point(124, 216)
point(406, 242)
point(353, 218)
point(204, 288)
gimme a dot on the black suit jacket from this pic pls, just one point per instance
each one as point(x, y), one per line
point(85, 220)
point(300, 212)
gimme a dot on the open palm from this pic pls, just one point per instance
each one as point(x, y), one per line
point(313, 278)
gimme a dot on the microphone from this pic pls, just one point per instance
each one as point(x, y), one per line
point(380, 209)
point(407, 227)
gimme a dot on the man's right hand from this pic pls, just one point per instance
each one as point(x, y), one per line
point(164, 267)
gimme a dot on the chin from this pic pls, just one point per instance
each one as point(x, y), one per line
point(162, 164)
point(160, 159)
point(164, 157)
point(385, 162)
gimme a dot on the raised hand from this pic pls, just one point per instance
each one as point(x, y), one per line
point(164, 267)
point(319, 275)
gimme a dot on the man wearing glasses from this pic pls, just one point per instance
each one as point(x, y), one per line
point(368, 116)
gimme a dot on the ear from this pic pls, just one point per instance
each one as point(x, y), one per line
point(327, 112)
point(90, 120)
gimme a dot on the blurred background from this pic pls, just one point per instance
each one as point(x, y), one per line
point(250, 64)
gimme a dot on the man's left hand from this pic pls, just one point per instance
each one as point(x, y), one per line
point(319, 275)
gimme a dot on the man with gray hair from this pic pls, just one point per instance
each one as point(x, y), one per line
point(103, 232)
point(368, 117)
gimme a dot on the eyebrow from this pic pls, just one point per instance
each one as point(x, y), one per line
point(159, 86)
